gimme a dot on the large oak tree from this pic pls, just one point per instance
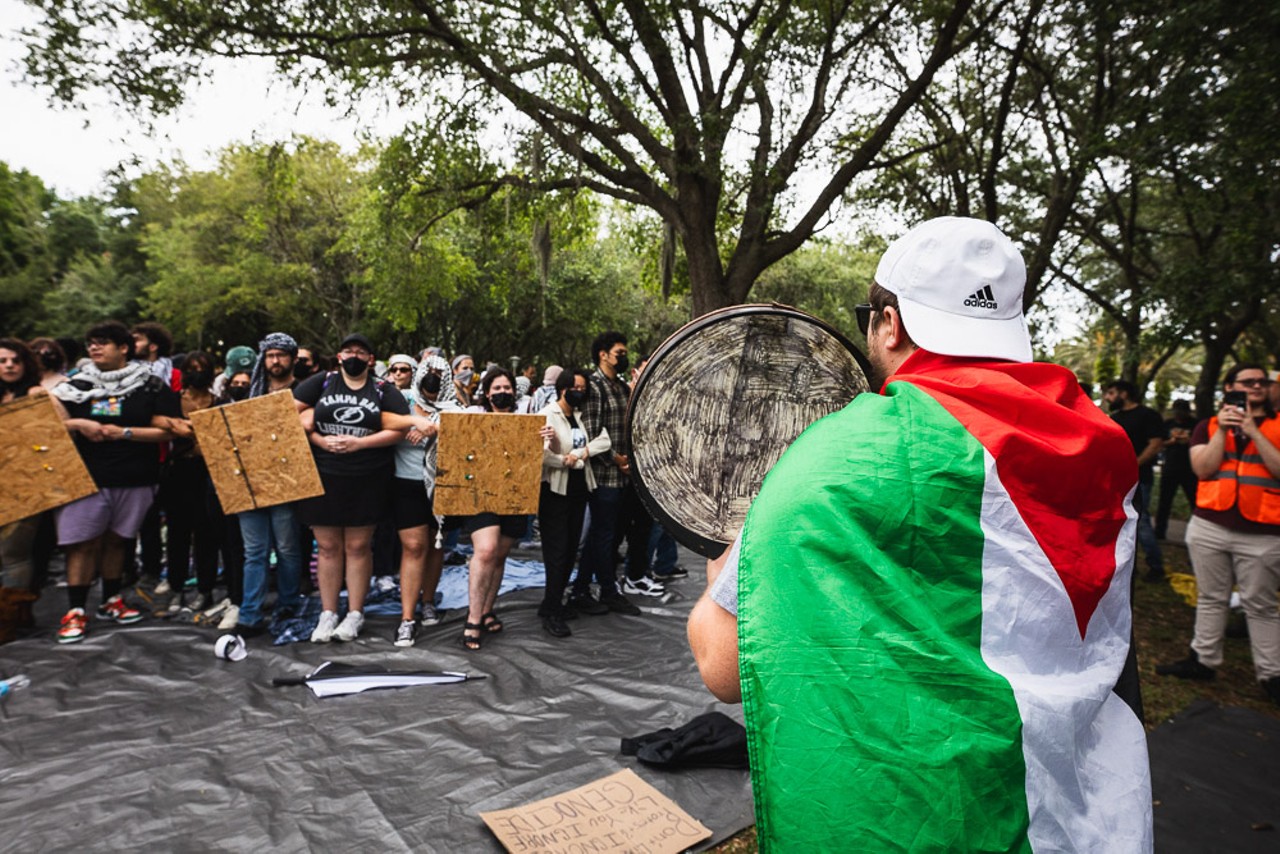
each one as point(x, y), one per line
point(742, 123)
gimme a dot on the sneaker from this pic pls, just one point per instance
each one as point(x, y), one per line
point(587, 604)
point(644, 586)
point(216, 610)
point(325, 628)
point(620, 604)
point(162, 588)
point(430, 616)
point(115, 610)
point(555, 626)
point(175, 605)
point(73, 628)
point(349, 630)
point(230, 618)
point(1188, 668)
point(198, 602)
point(676, 572)
point(407, 633)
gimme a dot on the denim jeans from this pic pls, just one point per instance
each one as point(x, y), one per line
point(261, 529)
point(597, 554)
point(662, 550)
point(1146, 533)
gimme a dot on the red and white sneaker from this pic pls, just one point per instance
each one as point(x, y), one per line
point(115, 610)
point(73, 626)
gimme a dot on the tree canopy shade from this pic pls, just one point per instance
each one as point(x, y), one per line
point(711, 112)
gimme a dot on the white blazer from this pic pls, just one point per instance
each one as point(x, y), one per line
point(553, 450)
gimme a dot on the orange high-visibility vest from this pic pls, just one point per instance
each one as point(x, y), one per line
point(1242, 478)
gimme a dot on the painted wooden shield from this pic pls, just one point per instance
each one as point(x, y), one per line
point(720, 401)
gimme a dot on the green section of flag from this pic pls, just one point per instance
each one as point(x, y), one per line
point(873, 722)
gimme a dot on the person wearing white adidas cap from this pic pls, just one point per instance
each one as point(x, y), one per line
point(926, 615)
point(957, 284)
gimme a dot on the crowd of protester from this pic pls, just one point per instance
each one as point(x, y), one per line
point(126, 399)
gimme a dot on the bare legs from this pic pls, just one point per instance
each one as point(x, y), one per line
point(413, 559)
point(344, 553)
point(488, 561)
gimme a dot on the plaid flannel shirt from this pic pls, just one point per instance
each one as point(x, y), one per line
point(607, 409)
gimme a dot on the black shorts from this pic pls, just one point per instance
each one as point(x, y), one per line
point(410, 504)
point(349, 501)
point(511, 526)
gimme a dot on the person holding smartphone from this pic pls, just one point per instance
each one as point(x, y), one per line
point(1234, 533)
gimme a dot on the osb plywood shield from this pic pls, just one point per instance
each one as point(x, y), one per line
point(39, 464)
point(720, 401)
point(257, 453)
point(488, 463)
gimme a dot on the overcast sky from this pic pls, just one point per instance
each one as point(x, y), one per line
point(71, 150)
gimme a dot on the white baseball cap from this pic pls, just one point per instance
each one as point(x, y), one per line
point(230, 647)
point(959, 285)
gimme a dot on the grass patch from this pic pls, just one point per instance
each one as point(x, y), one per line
point(1162, 627)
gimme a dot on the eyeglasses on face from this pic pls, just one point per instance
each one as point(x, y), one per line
point(358, 353)
point(862, 312)
point(400, 369)
point(1254, 382)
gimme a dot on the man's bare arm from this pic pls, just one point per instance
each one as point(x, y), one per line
point(713, 637)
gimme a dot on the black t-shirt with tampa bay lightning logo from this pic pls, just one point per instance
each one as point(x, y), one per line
point(344, 411)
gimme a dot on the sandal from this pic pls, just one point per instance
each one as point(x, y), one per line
point(472, 642)
point(492, 622)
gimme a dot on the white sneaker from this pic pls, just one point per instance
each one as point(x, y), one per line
point(230, 618)
point(350, 628)
point(324, 631)
point(163, 588)
point(645, 586)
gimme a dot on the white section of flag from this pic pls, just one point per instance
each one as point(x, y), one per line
point(1088, 782)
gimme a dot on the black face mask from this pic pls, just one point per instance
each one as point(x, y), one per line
point(237, 392)
point(1115, 405)
point(50, 360)
point(575, 398)
point(354, 366)
point(623, 364)
point(197, 379)
point(301, 369)
point(502, 400)
point(431, 384)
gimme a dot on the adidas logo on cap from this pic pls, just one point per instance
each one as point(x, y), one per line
point(982, 298)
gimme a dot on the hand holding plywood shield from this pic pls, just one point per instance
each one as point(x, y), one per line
point(39, 464)
point(717, 405)
point(257, 453)
point(488, 463)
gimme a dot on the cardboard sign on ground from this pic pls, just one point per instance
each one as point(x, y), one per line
point(257, 453)
point(488, 463)
point(620, 812)
point(39, 464)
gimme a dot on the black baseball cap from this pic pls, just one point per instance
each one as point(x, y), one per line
point(356, 338)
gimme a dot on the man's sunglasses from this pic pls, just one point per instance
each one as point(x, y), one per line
point(863, 313)
point(1254, 382)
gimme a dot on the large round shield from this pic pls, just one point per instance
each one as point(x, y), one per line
point(720, 401)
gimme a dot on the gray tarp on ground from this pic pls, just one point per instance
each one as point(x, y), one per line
point(140, 737)
point(1215, 779)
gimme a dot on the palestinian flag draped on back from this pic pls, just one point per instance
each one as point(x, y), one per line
point(934, 610)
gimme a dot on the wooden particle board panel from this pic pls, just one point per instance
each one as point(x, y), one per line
point(40, 467)
point(257, 453)
point(488, 463)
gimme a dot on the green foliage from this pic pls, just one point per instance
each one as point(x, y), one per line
point(256, 245)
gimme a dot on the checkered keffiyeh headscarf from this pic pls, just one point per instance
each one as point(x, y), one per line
point(274, 341)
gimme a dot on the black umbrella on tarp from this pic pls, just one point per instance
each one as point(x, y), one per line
point(332, 679)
